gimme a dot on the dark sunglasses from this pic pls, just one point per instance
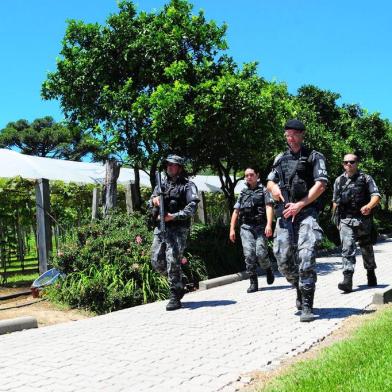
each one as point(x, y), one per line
point(347, 162)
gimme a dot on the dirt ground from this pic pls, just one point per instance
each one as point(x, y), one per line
point(255, 381)
point(45, 312)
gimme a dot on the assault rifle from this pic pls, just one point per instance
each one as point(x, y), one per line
point(158, 180)
point(288, 221)
point(281, 205)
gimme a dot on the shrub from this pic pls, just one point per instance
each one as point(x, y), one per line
point(108, 268)
point(211, 244)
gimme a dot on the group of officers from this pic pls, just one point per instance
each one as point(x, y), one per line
point(292, 194)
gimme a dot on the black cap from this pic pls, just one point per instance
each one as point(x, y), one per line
point(295, 124)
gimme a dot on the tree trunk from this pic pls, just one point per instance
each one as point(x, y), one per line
point(153, 169)
point(136, 195)
point(112, 173)
point(227, 185)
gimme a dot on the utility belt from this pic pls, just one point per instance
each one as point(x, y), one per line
point(255, 220)
point(347, 211)
point(350, 215)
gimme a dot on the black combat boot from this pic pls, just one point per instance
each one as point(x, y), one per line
point(307, 305)
point(174, 301)
point(270, 275)
point(254, 284)
point(298, 301)
point(347, 284)
point(371, 277)
point(181, 293)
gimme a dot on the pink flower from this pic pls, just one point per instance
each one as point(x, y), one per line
point(184, 261)
point(138, 239)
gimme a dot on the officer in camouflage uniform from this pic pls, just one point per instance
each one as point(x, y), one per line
point(297, 179)
point(255, 213)
point(355, 194)
point(180, 199)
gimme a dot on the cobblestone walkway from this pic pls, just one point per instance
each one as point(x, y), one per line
point(218, 335)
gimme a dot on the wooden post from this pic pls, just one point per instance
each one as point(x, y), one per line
point(132, 198)
point(42, 197)
point(202, 208)
point(112, 173)
point(95, 204)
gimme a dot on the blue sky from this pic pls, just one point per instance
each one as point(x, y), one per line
point(339, 45)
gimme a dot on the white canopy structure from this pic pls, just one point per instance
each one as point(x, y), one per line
point(13, 164)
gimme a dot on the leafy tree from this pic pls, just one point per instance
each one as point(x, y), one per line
point(338, 130)
point(45, 138)
point(371, 138)
point(106, 74)
point(225, 122)
point(322, 103)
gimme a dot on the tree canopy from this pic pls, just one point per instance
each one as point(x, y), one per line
point(45, 138)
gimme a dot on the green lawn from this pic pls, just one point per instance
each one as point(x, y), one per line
point(20, 280)
point(361, 363)
point(14, 274)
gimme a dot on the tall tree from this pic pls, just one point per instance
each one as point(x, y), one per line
point(45, 138)
point(106, 74)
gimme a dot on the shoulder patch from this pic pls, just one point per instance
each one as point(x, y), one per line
point(278, 158)
point(317, 155)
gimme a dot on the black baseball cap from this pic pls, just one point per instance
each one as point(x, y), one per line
point(295, 124)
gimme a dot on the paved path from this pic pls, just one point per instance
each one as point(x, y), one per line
point(218, 335)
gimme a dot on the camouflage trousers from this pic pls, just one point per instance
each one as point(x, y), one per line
point(254, 244)
point(352, 230)
point(166, 254)
point(294, 249)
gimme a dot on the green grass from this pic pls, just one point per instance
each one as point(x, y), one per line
point(361, 363)
point(19, 280)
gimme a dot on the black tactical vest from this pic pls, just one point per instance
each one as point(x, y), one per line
point(174, 195)
point(252, 206)
point(353, 196)
point(296, 174)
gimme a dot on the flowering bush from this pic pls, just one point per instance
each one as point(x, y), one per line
point(108, 268)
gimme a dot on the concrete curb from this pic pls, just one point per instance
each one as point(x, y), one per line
point(383, 296)
point(17, 324)
point(222, 280)
point(227, 279)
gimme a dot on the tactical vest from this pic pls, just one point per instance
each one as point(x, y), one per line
point(174, 195)
point(296, 175)
point(252, 209)
point(354, 196)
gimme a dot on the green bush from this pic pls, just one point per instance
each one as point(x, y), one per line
point(108, 268)
point(211, 244)
point(383, 221)
point(217, 207)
